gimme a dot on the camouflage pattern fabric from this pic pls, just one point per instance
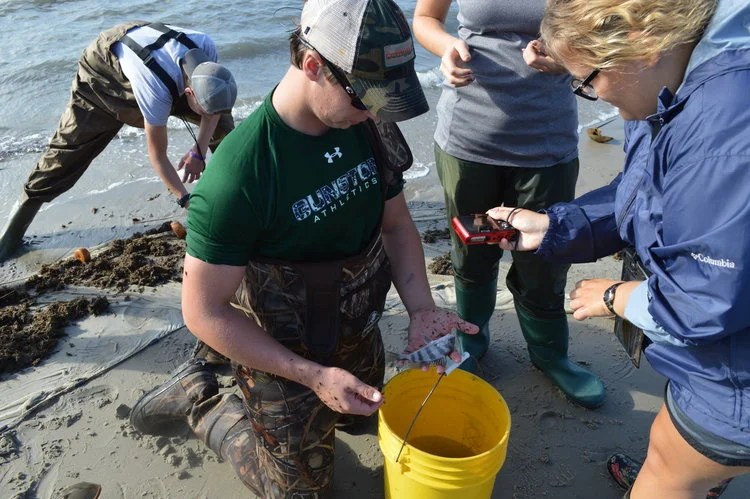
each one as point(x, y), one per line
point(294, 430)
point(391, 149)
point(274, 296)
point(383, 76)
point(101, 101)
point(221, 423)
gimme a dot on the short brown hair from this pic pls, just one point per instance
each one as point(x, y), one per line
point(298, 49)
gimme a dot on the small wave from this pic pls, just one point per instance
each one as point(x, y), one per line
point(11, 147)
point(131, 132)
point(243, 50)
point(430, 78)
point(600, 119)
point(245, 109)
point(241, 110)
point(148, 180)
point(55, 71)
point(417, 170)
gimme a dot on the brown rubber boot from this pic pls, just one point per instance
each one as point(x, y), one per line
point(221, 423)
point(157, 411)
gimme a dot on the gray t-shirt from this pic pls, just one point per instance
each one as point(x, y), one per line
point(511, 115)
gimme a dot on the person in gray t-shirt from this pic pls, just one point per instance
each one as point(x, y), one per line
point(506, 134)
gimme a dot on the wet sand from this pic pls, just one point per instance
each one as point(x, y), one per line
point(556, 449)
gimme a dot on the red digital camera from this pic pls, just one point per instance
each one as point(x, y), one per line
point(481, 229)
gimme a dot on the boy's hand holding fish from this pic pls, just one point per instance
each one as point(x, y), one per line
point(430, 324)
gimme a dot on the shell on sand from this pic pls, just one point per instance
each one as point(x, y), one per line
point(596, 135)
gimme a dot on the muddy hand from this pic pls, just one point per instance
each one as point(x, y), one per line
point(345, 393)
point(431, 324)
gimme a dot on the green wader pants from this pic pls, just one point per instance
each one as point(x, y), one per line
point(101, 102)
point(538, 286)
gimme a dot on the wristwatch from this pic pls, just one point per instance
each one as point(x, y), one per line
point(609, 296)
point(183, 200)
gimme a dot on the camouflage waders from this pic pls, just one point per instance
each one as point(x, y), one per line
point(101, 101)
point(281, 444)
point(293, 431)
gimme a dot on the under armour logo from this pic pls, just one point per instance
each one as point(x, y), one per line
point(329, 155)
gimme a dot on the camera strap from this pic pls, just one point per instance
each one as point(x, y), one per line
point(352, 288)
point(632, 338)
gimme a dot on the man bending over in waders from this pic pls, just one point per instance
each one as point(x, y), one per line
point(136, 74)
point(295, 234)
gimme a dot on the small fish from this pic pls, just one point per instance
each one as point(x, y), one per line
point(433, 351)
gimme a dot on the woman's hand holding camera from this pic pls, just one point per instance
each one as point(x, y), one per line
point(531, 227)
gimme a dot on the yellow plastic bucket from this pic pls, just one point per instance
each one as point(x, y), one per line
point(458, 443)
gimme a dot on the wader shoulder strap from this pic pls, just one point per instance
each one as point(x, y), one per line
point(144, 53)
point(389, 145)
point(323, 282)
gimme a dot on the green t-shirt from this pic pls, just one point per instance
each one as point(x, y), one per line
point(274, 192)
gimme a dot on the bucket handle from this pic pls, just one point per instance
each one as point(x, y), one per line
point(414, 420)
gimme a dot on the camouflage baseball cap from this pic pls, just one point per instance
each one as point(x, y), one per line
point(371, 42)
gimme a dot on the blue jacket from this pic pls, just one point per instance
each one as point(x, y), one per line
point(683, 201)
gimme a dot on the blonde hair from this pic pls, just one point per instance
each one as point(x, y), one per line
point(604, 33)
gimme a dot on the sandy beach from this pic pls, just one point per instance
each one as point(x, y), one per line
point(76, 429)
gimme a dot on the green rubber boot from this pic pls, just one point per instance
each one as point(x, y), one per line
point(476, 305)
point(547, 340)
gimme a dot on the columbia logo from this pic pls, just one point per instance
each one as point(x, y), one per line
point(700, 257)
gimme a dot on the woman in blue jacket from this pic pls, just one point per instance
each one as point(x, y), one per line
point(679, 72)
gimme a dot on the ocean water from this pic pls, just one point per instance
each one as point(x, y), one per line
point(43, 40)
